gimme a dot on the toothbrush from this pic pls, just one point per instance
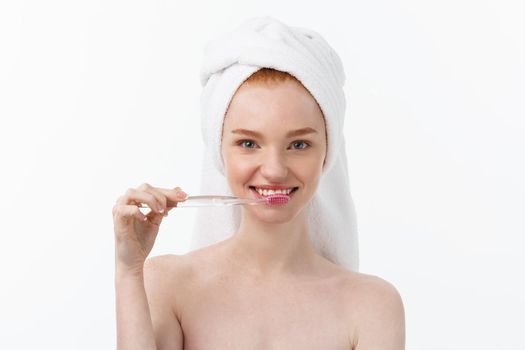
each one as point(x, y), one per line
point(215, 201)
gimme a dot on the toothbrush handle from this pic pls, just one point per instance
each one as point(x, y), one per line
point(204, 201)
point(213, 201)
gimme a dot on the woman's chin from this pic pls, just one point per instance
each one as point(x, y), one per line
point(276, 213)
point(272, 218)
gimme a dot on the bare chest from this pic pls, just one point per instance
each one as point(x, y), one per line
point(224, 313)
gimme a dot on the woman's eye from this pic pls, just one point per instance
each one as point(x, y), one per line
point(301, 142)
point(244, 142)
point(251, 144)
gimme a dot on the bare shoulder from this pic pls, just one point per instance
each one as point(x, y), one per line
point(166, 264)
point(163, 268)
point(171, 274)
point(181, 270)
point(171, 267)
point(376, 311)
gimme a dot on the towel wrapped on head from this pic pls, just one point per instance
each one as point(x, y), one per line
point(230, 59)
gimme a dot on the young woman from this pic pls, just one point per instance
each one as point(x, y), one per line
point(264, 287)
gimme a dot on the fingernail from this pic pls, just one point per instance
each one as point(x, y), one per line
point(161, 209)
point(182, 195)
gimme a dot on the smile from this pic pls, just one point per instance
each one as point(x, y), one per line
point(265, 192)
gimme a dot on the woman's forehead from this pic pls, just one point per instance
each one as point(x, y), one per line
point(282, 105)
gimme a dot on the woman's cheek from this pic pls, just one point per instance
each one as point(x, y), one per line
point(240, 169)
point(243, 167)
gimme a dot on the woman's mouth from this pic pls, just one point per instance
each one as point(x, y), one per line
point(260, 193)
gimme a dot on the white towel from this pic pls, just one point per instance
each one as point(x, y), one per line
point(228, 61)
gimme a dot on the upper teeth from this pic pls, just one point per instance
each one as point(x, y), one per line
point(270, 192)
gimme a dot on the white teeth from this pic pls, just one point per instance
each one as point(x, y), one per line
point(270, 192)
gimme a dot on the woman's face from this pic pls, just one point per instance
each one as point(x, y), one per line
point(260, 148)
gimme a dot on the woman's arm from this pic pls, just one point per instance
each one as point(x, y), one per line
point(161, 273)
point(134, 326)
point(145, 317)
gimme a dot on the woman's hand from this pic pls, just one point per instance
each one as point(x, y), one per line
point(135, 233)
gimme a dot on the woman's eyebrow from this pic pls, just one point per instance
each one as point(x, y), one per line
point(298, 132)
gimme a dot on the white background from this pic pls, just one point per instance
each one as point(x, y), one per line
point(100, 96)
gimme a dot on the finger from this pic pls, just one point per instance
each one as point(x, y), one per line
point(158, 196)
point(132, 211)
point(173, 196)
point(136, 197)
point(154, 218)
point(161, 198)
point(123, 213)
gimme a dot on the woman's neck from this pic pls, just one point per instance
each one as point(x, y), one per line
point(272, 249)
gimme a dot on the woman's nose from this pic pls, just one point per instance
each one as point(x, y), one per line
point(274, 166)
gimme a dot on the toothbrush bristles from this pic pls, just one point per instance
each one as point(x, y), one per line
point(277, 199)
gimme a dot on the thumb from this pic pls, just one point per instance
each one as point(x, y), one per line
point(155, 218)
